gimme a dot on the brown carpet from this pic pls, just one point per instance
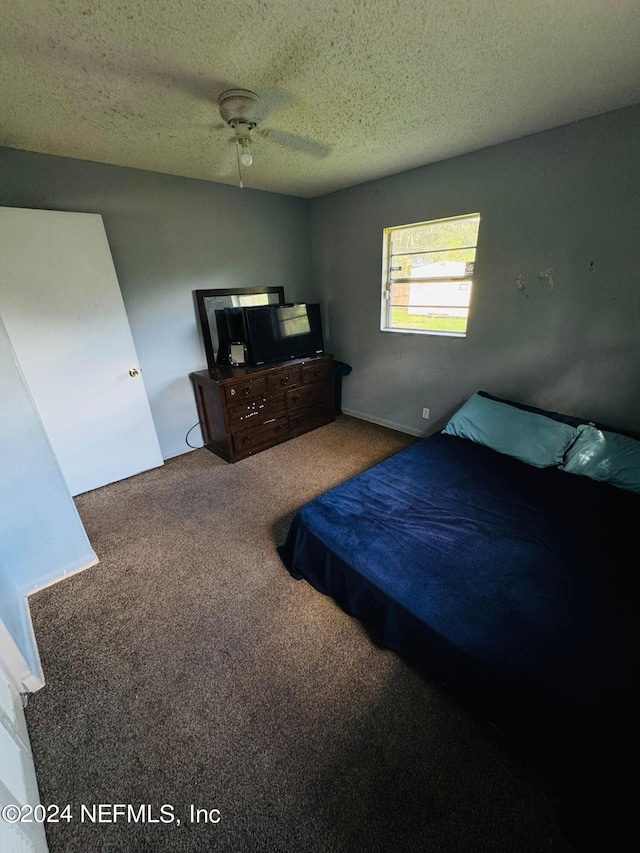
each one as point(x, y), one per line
point(188, 667)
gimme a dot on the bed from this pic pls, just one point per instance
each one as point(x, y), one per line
point(499, 561)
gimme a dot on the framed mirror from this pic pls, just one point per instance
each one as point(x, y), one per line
point(210, 301)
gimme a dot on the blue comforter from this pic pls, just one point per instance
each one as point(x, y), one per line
point(505, 581)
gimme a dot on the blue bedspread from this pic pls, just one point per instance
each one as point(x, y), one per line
point(507, 582)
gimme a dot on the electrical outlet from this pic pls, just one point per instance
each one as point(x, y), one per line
point(425, 413)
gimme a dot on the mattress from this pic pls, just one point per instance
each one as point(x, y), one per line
point(507, 582)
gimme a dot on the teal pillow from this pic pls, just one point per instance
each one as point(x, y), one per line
point(605, 456)
point(532, 438)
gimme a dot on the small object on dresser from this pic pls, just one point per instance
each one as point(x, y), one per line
point(237, 353)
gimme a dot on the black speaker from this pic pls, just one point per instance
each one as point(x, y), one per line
point(230, 323)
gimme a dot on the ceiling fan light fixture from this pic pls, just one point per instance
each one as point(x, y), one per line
point(242, 130)
point(239, 109)
point(246, 157)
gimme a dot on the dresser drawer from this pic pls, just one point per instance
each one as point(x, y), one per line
point(317, 372)
point(261, 435)
point(307, 395)
point(246, 409)
point(285, 378)
point(305, 419)
point(256, 411)
point(248, 389)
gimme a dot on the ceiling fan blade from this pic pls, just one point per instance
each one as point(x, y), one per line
point(300, 144)
point(38, 46)
point(225, 162)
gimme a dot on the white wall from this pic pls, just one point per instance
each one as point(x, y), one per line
point(18, 650)
point(41, 534)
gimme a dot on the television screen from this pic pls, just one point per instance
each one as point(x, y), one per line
point(281, 332)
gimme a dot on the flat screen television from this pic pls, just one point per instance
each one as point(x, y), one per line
point(271, 332)
point(281, 332)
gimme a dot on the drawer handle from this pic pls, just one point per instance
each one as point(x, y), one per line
point(299, 419)
point(246, 391)
point(295, 397)
point(284, 380)
point(246, 439)
point(317, 371)
point(233, 392)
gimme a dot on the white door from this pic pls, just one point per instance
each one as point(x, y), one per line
point(18, 786)
point(61, 304)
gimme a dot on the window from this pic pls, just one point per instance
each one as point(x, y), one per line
point(427, 276)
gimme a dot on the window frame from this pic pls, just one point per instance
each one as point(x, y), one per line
point(387, 283)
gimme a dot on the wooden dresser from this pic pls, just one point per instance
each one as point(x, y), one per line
point(244, 410)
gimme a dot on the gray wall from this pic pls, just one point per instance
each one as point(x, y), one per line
point(170, 236)
point(41, 535)
point(558, 199)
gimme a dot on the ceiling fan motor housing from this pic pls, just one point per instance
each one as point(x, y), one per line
point(239, 106)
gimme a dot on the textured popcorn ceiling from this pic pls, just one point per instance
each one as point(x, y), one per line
point(350, 89)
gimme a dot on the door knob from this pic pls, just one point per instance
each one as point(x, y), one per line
point(134, 372)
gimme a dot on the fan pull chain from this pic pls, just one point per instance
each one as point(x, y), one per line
point(239, 167)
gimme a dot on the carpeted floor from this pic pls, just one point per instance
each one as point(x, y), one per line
point(188, 667)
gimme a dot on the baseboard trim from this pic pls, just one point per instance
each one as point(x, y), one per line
point(25, 680)
point(67, 573)
point(14, 663)
point(382, 422)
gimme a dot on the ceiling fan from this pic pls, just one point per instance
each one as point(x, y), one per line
point(242, 110)
point(239, 109)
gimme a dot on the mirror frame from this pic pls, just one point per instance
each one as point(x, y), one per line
point(209, 335)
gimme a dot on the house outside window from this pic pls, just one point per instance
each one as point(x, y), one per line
point(427, 276)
